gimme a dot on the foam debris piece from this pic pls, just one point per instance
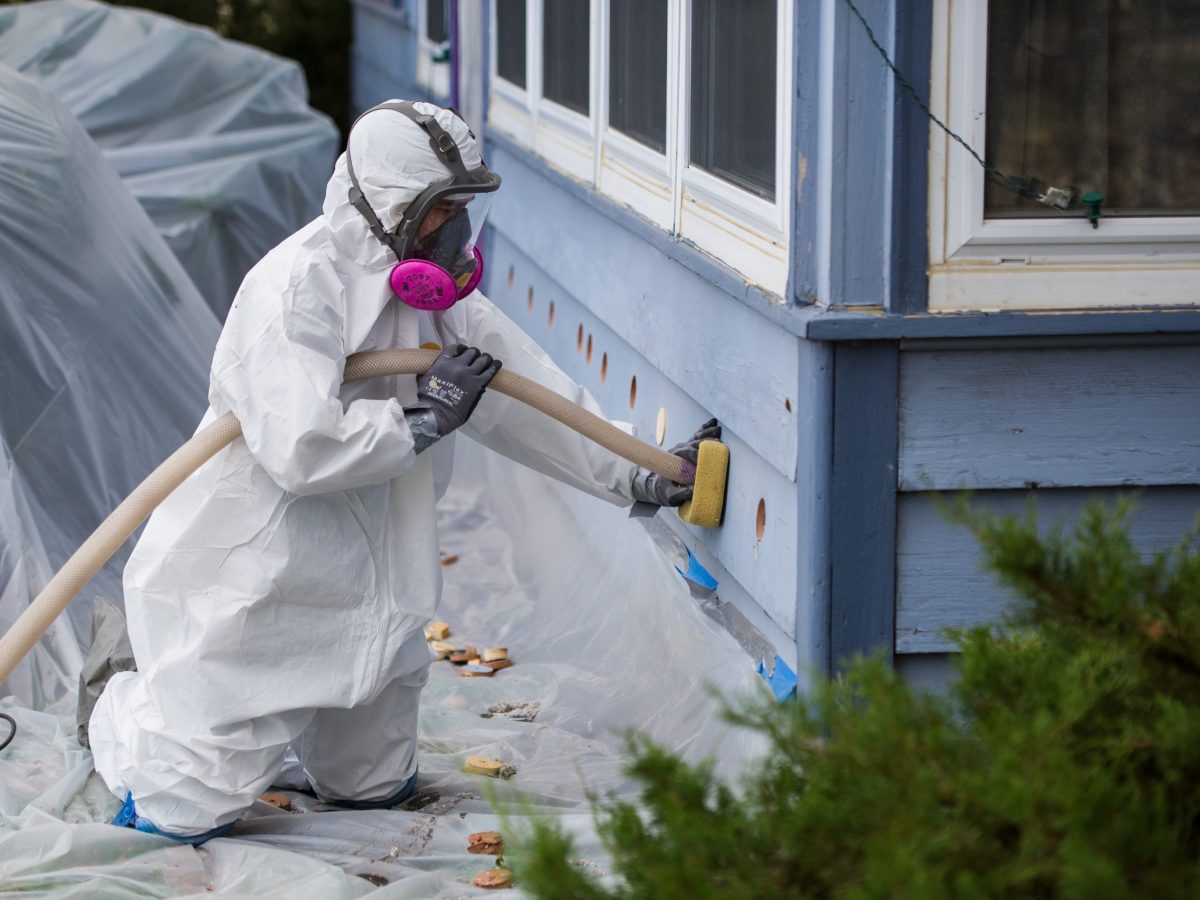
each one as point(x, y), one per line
point(481, 765)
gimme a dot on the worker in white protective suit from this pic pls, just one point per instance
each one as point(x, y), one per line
point(276, 599)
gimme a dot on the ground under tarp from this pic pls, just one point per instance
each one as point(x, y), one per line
point(604, 636)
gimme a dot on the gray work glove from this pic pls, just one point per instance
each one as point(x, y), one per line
point(453, 385)
point(650, 487)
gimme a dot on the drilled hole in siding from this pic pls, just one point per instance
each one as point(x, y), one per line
point(660, 430)
point(529, 301)
point(787, 405)
point(760, 520)
point(579, 340)
point(550, 316)
point(603, 366)
point(589, 350)
point(633, 392)
point(511, 275)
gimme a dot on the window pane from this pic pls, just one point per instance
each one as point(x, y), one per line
point(510, 41)
point(1099, 95)
point(637, 67)
point(437, 19)
point(565, 53)
point(733, 91)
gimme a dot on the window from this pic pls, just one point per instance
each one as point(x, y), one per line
point(637, 71)
point(676, 108)
point(733, 81)
point(510, 41)
point(565, 69)
point(433, 42)
point(1081, 95)
point(1117, 117)
point(437, 23)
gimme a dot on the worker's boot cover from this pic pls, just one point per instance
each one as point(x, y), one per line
point(128, 818)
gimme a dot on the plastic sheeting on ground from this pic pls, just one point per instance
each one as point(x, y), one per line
point(604, 636)
point(104, 353)
point(215, 138)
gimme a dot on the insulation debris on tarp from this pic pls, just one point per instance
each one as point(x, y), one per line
point(215, 138)
point(103, 372)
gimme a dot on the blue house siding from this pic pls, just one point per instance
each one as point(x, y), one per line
point(860, 147)
point(940, 581)
point(1075, 422)
point(383, 57)
point(844, 402)
point(687, 342)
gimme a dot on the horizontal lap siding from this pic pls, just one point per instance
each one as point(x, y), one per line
point(1073, 422)
point(1051, 418)
point(940, 579)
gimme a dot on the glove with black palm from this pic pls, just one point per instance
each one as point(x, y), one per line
point(449, 392)
point(650, 487)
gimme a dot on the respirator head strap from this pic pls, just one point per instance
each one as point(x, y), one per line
point(359, 202)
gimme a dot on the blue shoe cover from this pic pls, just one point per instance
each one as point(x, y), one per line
point(386, 803)
point(128, 818)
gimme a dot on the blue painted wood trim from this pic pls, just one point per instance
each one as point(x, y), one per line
point(805, 275)
point(876, 147)
point(789, 318)
point(909, 282)
point(848, 326)
point(860, 158)
point(863, 500)
point(814, 468)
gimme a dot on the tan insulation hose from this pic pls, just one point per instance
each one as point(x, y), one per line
point(134, 509)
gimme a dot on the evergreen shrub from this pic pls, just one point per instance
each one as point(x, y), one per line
point(1064, 761)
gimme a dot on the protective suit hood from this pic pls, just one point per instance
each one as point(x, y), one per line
point(394, 163)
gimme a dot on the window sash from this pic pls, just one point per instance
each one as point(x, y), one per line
point(979, 262)
point(521, 51)
point(661, 186)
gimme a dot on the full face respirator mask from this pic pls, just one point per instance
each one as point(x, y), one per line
point(435, 239)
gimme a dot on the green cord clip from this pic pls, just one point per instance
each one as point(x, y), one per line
point(1093, 201)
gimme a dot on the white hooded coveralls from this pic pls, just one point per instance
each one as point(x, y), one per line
point(277, 598)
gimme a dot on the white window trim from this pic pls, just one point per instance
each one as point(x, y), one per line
point(433, 76)
point(628, 171)
point(1051, 263)
point(741, 229)
point(510, 107)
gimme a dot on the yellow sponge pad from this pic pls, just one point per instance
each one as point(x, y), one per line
point(707, 505)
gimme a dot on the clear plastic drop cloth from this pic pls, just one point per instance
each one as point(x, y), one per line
point(104, 352)
point(215, 138)
point(604, 636)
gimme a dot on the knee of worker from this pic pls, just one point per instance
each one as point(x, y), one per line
point(183, 779)
point(367, 752)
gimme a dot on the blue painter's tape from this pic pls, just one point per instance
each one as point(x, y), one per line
point(697, 574)
point(782, 680)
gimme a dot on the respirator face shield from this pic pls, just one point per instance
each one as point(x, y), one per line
point(442, 226)
point(435, 239)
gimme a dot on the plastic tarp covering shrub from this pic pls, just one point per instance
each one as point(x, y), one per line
point(215, 138)
point(104, 352)
point(604, 636)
